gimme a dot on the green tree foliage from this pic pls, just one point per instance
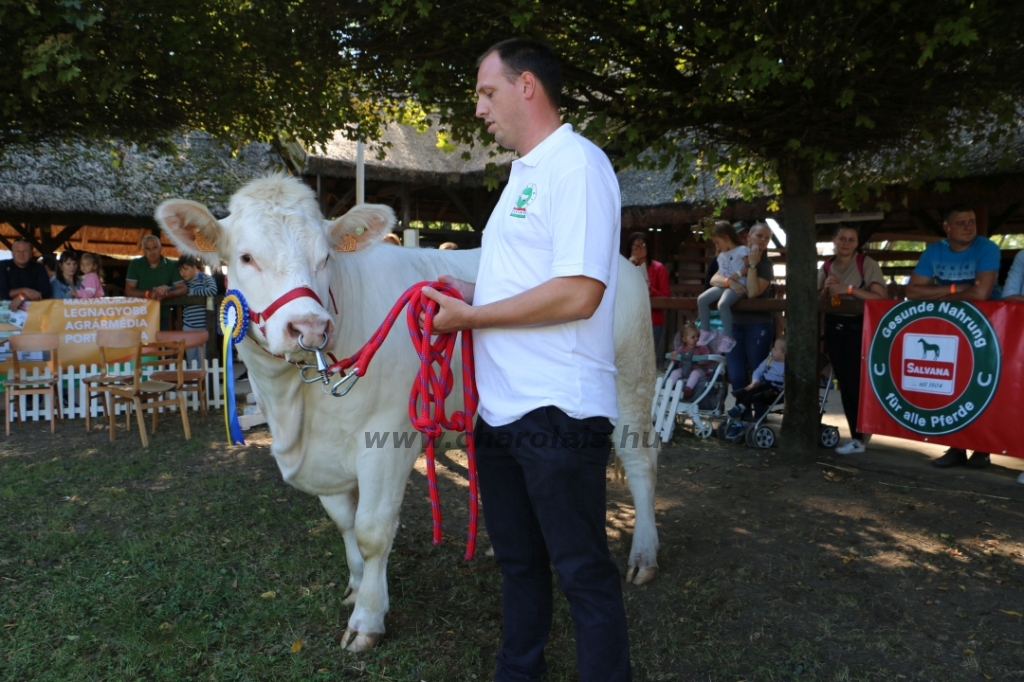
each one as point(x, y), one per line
point(792, 94)
point(237, 69)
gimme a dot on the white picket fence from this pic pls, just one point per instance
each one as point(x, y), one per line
point(37, 408)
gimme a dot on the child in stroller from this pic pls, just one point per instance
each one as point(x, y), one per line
point(763, 391)
point(685, 354)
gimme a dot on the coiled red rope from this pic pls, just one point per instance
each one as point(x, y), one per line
point(429, 390)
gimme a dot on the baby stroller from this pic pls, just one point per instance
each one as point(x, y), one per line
point(669, 407)
point(762, 435)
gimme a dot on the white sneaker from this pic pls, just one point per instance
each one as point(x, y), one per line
point(852, 447)
point(1020, 479)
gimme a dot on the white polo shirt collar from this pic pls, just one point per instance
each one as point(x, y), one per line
point(550, 142)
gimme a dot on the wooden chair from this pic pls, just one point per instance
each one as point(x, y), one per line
point(116, 345)
point(195, 379)
point(145, 393)
point(48, 384)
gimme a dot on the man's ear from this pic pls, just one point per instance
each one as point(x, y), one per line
point(362, 227)
point(192, 227)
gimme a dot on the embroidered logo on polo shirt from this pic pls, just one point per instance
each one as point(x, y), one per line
point(526, 198)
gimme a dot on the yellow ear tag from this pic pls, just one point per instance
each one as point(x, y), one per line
point(347, 244)
point(204, 244)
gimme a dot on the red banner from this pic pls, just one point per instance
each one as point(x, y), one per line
point(946, 372)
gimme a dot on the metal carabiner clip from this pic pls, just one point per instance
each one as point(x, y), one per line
point(321, 366)
point(346, 383)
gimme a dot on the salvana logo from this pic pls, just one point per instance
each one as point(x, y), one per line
point(934, 367)
point(526, 197)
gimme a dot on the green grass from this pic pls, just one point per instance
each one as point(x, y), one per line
point(187, 561)
point(195, 561)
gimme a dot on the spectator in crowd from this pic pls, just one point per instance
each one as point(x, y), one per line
point(65, 282)
point(764, 387)
point(23, 279)
point(753, 331)
point(449, 246)
point(50, 263)
point(848, 274)
point(1013, 288)
point(1013, 291)
point(688, 355)
point(155, 277)
point(193, 317)
point(962, 267)
point(391, 238)
point(657, 283)
point(742, 232)
point(728, 285)
point(89, 266)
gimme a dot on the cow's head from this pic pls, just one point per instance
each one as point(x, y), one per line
point(275, 243)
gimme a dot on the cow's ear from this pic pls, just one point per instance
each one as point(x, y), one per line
point(362, 227)
point(191, 226)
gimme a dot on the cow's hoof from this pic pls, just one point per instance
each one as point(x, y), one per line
point(350, 596)
point(357, 642)
point(638, 576)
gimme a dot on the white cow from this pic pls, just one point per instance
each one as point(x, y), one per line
point(280, 251)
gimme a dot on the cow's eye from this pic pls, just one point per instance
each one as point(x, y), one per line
point(245, 258)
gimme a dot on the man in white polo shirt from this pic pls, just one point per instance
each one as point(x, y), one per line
point(543, 306)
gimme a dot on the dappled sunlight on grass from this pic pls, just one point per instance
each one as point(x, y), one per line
point(194, 560)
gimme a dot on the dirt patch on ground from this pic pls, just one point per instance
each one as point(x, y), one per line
point(869, 568)
point(849, 568)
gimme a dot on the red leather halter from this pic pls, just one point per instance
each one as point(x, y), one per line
point(260, 318)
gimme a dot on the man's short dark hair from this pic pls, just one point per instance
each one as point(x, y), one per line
point(519, 55)
point(956, 208)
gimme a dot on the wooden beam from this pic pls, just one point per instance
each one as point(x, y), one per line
point(981, 215)
point(461, 206)
point(405, 205)
point(335, 211)
point(64, 235)
point(995, 224)
point(28, 233)
point(928, 222)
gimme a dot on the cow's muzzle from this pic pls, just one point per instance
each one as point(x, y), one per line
point(309, 332)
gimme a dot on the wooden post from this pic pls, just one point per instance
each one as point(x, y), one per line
point(981, 216)
point(406, 208)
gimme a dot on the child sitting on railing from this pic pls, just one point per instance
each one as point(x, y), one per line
point(729, 284)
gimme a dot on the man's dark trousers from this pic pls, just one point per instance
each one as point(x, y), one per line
point(542, 482)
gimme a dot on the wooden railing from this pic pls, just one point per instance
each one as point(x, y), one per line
point(846, 307)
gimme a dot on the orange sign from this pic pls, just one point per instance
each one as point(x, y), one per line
point(76, 321)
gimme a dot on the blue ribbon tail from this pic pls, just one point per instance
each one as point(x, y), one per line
point(234, 428)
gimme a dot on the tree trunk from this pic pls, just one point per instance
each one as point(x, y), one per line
point(800, 426)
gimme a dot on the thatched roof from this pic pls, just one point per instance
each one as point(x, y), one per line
point(405, 154)
point(641, 188)
point(117, 184)
point(651, 188)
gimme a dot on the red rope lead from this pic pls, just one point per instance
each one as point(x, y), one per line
point(429, 390)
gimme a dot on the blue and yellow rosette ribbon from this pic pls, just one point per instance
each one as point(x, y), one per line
point(234, 323)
